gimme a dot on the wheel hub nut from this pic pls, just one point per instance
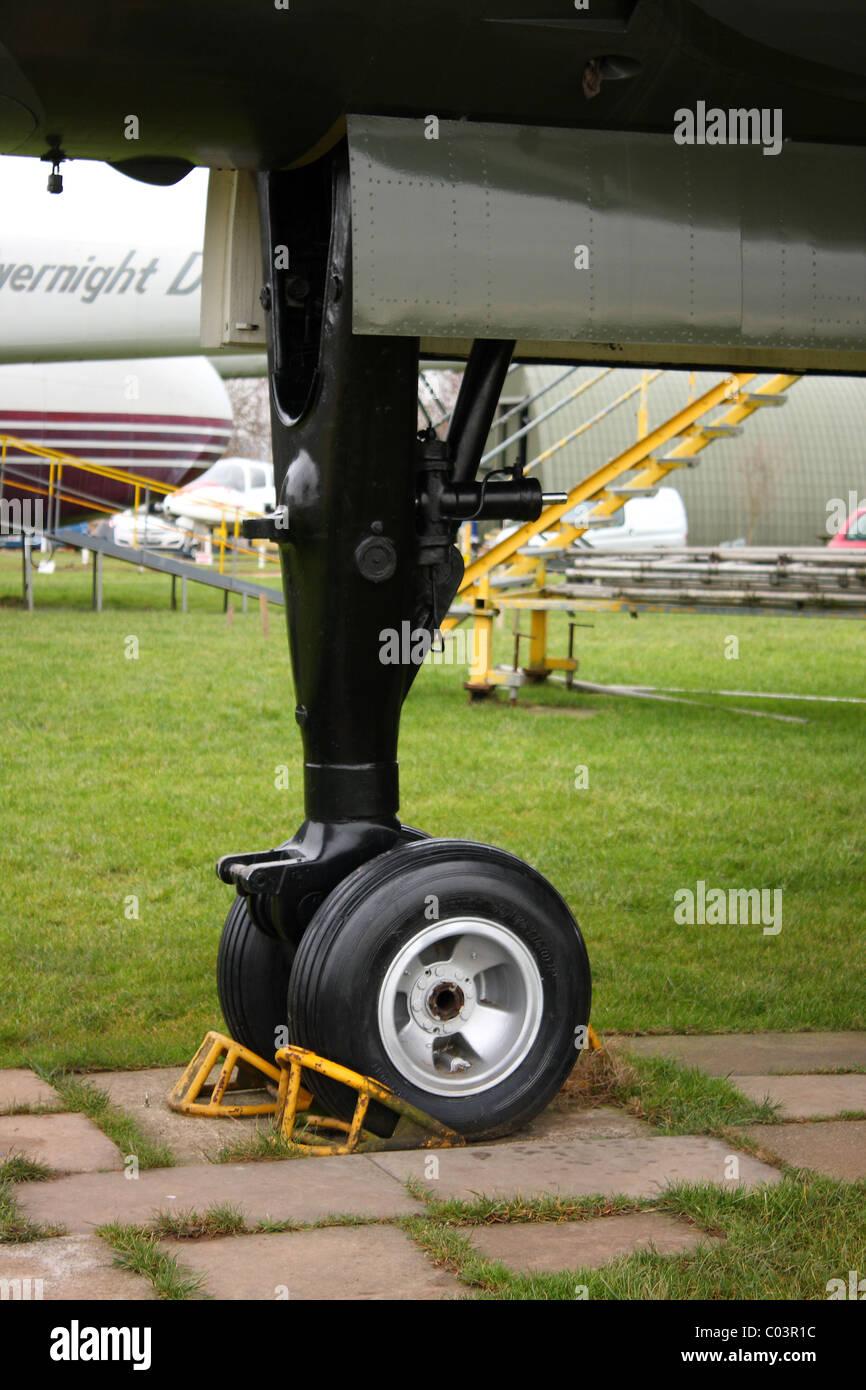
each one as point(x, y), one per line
point(446, 1000)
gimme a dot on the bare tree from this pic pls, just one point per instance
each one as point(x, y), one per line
point(437, 392)
point(252, 420)
point(758, 471)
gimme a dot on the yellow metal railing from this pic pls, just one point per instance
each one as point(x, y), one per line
point(697, 435)
point(57, 458)
point(691, 430)
point(593, 486)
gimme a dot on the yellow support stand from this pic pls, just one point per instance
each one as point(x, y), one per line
point(480, 675)
point(484, 677)
point(649, 460)
point(537, 641)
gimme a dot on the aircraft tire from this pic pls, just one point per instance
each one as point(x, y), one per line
point(453, 973)
point(252, 979)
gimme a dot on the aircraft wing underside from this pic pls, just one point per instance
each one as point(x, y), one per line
point(623, 180)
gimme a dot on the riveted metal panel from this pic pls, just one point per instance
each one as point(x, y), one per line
point(473, 234)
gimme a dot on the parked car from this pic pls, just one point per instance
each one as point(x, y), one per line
point(645, 522)
point(145, 530)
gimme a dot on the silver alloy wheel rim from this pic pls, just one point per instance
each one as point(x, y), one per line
point(460, 1006)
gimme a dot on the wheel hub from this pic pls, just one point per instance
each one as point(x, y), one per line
point(460, 1006)
point(441, 999)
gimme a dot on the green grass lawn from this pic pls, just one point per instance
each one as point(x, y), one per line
point(129, 777)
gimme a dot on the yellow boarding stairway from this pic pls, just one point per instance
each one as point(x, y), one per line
point(678, 443)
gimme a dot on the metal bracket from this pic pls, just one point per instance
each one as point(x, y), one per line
point(273, 527)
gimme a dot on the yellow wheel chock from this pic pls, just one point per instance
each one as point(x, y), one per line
point(184, 1095)
point(593, 1041)
point(414, 1129)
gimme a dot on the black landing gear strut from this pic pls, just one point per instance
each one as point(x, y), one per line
point(451, 971)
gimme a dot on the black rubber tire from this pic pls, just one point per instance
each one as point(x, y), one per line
point(253, 973)
point(361, 927)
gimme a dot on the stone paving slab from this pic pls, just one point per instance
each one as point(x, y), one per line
point(69, 1143)
point(754, 1054)
point(334, 1264)
point(805, 1097)
point(835, 1147)
point(636, 1167)
point(142, 1094)
point(564, 1120)
point(74, 1267)
point(546, 1247)
point(302, 1189)
point(21, 1087)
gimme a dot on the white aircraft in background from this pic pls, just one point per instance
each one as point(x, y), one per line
point(163, 419)
point(63, 301)
point(132, 290)
point(227, 492)
point(100, 353)
point(75, 299)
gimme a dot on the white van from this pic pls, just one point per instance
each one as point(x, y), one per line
point(644, 522)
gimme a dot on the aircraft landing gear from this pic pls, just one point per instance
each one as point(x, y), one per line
point(450, 971)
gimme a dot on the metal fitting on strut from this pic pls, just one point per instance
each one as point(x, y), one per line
point(273, 527)
point(434, 528)
point(444, 503)
point(516, 499)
